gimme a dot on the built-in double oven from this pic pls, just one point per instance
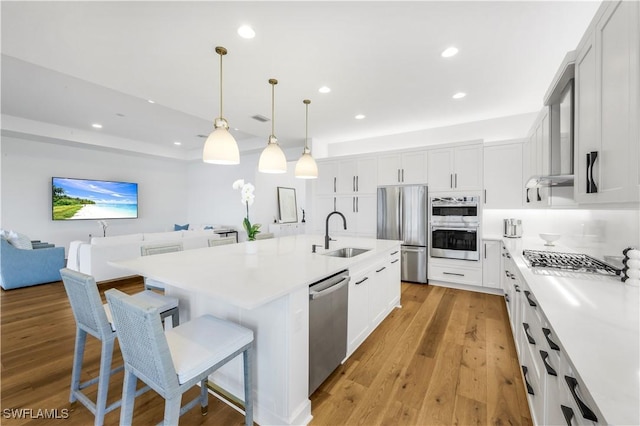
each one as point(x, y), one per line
point(454, 228)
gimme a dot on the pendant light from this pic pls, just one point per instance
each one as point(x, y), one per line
point(272, 159)
point(220, 147)
point(306, 167)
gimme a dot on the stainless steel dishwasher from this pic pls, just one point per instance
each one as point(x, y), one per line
point(327, 326)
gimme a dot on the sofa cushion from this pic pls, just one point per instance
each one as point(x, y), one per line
point(177, 227)
point(163, 236)
point(118, 239)
point(19, 241)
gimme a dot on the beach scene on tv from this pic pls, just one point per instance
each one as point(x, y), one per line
point(93, 199)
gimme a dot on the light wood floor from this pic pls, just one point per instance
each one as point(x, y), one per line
point(446, 357)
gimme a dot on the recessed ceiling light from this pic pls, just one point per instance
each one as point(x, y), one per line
point(324, 89)
point(449, 52)
point(246, 31)
point(96, 126)
point(360, 116)
point(459, 95)
point(177, 143)
point(150, 101)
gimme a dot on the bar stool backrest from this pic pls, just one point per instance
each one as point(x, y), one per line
point(221, 241)
point(160, 248)
point(86, 304)
point(143, 344)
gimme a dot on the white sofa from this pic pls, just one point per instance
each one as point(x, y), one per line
point(92, 258)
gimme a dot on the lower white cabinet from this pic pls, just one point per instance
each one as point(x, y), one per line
point(374, 290)
point(491, 263)
point(286, 229)
point(555, 392)
point(455, 271)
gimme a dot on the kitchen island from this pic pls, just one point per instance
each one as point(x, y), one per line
point(264, 285)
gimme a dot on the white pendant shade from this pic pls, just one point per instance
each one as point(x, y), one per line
point(306, 167)
point(221, 148)
point(272, 159)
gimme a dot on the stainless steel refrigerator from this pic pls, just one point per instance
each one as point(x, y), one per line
point(403, 215)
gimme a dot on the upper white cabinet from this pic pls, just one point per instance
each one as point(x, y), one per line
point(503, 176)
point(456, 168)
point(327, 182)
point(537, 160)
point(357, 175)
point(408, 168)
point(607, 85)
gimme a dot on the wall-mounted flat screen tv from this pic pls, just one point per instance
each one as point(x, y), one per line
point(77, 199)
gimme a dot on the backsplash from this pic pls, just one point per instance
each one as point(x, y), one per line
point(595, 232)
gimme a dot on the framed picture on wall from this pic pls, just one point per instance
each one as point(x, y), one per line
point(287, 207)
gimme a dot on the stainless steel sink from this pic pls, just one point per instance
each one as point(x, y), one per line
point(347, 252)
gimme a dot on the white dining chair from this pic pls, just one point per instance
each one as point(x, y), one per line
point(173, 361)
point(94, 318)
point(151, 249)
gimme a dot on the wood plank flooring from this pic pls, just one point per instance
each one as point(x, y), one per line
point(447, 357)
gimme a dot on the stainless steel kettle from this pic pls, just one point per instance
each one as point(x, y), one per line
point(512, 228)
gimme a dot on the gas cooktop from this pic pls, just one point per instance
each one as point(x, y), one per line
point(573, 262)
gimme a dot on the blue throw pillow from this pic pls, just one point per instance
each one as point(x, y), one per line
point(208, 227)
point(177, 227)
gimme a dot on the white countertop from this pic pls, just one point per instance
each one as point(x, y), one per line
point(597, 321)
point(235, 275)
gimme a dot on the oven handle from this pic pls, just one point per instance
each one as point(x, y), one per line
point(455, 228)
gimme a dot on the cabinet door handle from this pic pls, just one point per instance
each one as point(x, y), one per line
point(485, 196)
point(538, 194)
point(453, 273)
point(353, 204)
point(451, 180)
point(402, 175)
point(399, 176)
point(545, 360)
point(456, 180)
point(528, 200)
point(516, 286)
point(353, 183)
point(584, 409)
point(381, 269)
point(485, 250)
point(592, 188)
point(531, 302)
point(334, 204)
point(551, 343)
point(526, 332)
point(362, 280)
point(394, 261)
point(395, 252)
point(525, 370)
point(568, 414)
point(357, 183)
point(357, 204)
point(334, 184)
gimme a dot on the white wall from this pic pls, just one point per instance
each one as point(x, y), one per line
point(27, 168)
point(212, 200)
point(595, 232)
point(497, 129)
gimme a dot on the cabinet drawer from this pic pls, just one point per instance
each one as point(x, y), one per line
point(460, 275)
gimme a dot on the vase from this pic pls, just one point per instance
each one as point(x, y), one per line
point(251, 247)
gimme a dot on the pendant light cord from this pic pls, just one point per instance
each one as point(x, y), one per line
point(306, 126)
point(221, 116)
point(273, 109)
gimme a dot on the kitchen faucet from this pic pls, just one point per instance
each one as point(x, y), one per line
point(326, 233)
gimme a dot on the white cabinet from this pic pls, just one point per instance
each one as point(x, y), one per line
point(327, 182)
point(374, 290)
point(503, 176)
point(286, 229)
point(406, 167)
point(455, 271)
point(607, 86)
point(360, 212)
point(455, 169)
point(491, 263)
point(537, 160)
point(357, 175)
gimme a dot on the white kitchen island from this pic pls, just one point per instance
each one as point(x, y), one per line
point(264, 285)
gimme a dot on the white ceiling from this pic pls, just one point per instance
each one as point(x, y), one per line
point(76, 63)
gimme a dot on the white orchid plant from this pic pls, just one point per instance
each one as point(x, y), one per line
point(247, 197)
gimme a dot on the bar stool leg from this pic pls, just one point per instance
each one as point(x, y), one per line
point(78, 355)
point(172, 410)
point(247, 355)
point(128, 397)
point(204, 397)
point(103, 383)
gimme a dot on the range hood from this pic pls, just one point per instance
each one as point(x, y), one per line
point(549, 181)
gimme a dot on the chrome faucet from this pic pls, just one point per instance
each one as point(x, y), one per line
point(326, 233)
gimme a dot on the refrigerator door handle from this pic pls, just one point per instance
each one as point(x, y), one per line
point(413, 250)
point(400, 214)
